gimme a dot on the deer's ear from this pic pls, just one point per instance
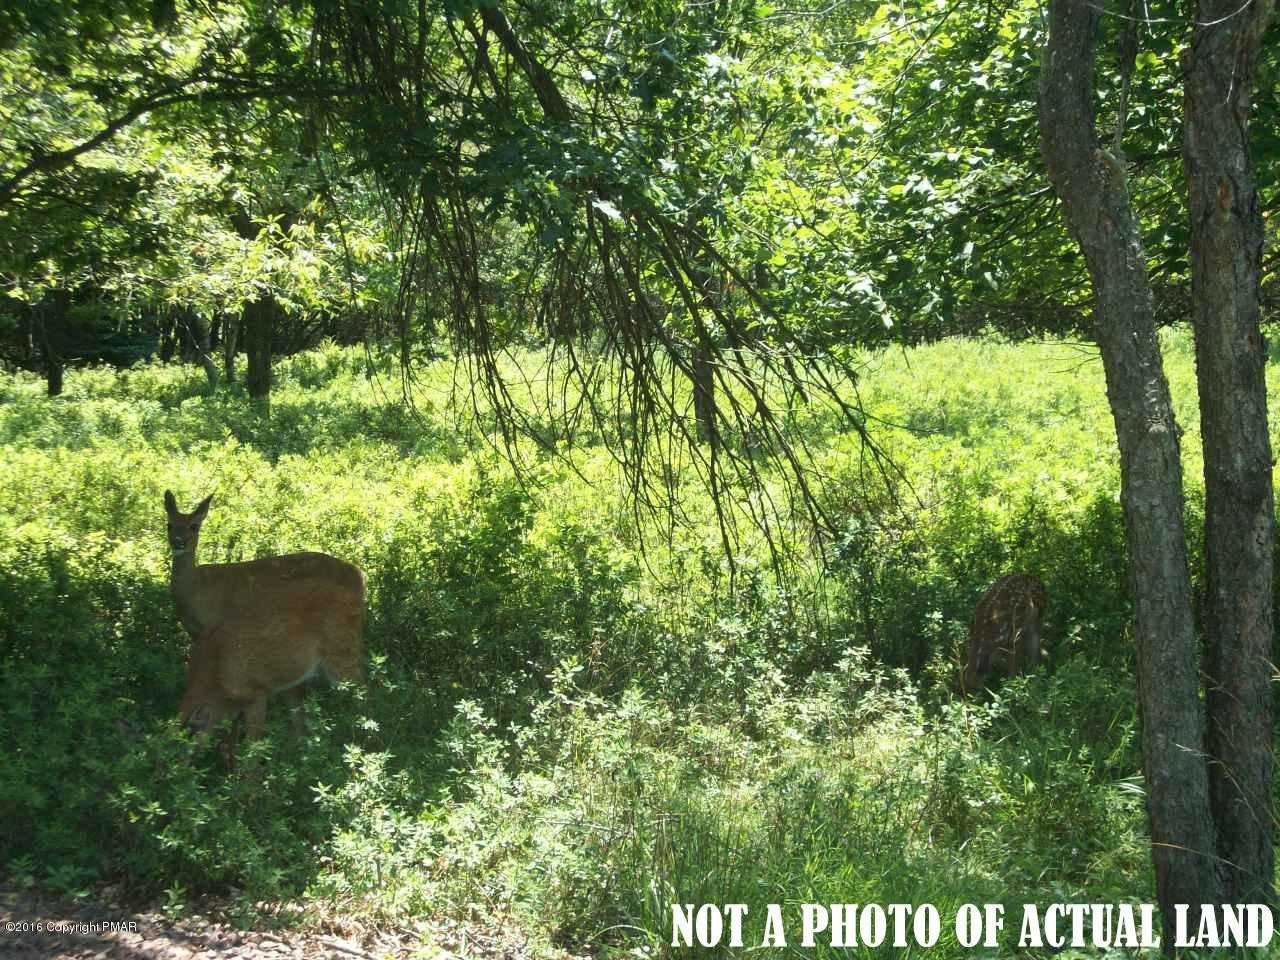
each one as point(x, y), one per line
point(170, 505)
point(204, 506)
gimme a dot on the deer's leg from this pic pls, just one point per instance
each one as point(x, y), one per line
point(981, 661)
point(255, 714)
point(1031, 643)
point(230, 741)
point(293, 697)
point(1018, 660)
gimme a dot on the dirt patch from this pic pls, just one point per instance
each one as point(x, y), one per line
point(33, 926)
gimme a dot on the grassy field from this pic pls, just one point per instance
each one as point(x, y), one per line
point(559, 730)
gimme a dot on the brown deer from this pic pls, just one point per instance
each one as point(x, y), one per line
point(262, 626)
point(1005, 631)
point(236, 665)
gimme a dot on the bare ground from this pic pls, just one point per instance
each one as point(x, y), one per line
point(35, 926)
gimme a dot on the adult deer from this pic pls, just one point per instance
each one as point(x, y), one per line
point(236, 665)
point(1005, 630)
point(261, 626)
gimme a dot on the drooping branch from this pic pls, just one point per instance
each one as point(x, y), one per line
point(540, 79)
point(632, 300)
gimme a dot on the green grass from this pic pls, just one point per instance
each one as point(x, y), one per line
point(557, 730)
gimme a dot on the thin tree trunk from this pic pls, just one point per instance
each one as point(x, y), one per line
point(167, 339)
point(702, 369)
point(1226, 263)
point(53, 322)
point(230, 338)
point(1090, 182)
point(53, 368)
point(198, 337)
point(704, 392)
point(27, 314)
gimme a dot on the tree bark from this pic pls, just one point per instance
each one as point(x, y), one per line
point(53, 368)
point(53, 326)
point(198, 337)
point(167, 339)
point(544, 86)
point(1090, 182)
point(30, 326)
point(258, 322)
point(230, 341)
point(1226, 264)
point(704, 392)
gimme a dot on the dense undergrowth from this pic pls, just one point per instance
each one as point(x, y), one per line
point(558, 728)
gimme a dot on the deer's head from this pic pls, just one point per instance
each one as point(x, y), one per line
point(184, 528)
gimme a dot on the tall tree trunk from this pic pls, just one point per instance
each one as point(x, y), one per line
point(257, 321)
point(1090, 182)
point(1226, 263)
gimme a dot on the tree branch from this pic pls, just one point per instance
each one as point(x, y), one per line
point(44, 163)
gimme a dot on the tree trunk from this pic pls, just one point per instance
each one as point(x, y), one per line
point(1091, 185)
point(53, 368)
point(702, 372)
point(230, 338)
point(1226, 262)
point(198, 338)
point(704, 392)
point(258, 321)
point(53, 323)
point(167, 344)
